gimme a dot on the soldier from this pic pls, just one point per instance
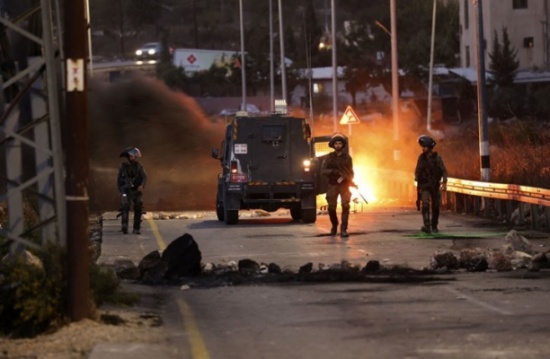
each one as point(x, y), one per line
point(131, 181)
point(431, 178)
point(338, 167)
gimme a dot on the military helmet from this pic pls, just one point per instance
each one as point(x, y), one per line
point(337, 136)
point(131, 151)
point(426, 141)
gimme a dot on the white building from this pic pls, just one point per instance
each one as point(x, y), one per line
point(526, 22)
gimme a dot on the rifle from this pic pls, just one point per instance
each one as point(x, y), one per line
point(418, 198)
point(352, 183)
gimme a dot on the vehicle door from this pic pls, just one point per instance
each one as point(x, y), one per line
point(270, 148)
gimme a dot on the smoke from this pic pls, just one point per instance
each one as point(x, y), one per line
point(173, 134)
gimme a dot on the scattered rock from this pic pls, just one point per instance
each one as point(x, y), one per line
point(306, 268)
point(371, 266)
point(248, 266)
point(498, 261)
point(274, 268)
point(519, 243)
point(445, 260)
point(126, 269)
point(183, 257)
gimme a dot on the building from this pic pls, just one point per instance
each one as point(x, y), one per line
point(526, 22)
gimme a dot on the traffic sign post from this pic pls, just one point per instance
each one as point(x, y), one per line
point(349, 118)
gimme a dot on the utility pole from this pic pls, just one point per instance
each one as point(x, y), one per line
point(271, 61)
point(395, 81)
point(334, 67)
point(282, 44)
point(77, 163)
point(546, 43)
point(243, 61)
point(430, 82)
point(485, 166)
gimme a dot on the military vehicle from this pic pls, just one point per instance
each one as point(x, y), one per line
point(267, 163)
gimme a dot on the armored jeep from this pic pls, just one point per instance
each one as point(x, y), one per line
point(267, 163)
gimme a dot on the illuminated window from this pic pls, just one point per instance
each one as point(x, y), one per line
point(318, 88)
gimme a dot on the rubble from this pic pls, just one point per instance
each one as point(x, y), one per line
point(180, 264)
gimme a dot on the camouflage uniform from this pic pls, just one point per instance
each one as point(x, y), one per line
point(429, 172)
point(337, 167)
point(131, 175)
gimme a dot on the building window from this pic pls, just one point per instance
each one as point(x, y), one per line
point(318, 88)
point(466, 19)
point(528, 42)
point(519, 4)
point(467, 56)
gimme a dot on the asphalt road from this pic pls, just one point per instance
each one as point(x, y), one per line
point(456, 315)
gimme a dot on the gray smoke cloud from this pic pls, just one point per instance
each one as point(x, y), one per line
point(173, 134)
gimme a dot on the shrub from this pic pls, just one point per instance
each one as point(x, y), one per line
point(33, 299)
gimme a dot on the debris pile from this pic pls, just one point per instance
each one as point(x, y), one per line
point(516, 253)
point(180, 263)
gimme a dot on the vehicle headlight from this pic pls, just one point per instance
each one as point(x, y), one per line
point(307, 165)
point(152, 52)
point(139, 52)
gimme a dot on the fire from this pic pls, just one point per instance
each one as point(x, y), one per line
point(367, 182)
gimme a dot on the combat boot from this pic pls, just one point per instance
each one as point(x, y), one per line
point(334, 221)
point(426, 218)
point(344, 227)
point(124, 222)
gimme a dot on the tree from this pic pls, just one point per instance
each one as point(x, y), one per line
point(504, 63)
point(505, 100)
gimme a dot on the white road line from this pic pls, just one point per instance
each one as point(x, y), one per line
point(478, 302)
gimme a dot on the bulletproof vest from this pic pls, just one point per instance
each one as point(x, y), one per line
point(430, 172)
point(132, 173)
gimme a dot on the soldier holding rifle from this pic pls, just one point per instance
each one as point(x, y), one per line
point(131, 181)
point(431, 178)
point(338, 167)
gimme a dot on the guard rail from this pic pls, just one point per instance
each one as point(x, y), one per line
point(508, 203)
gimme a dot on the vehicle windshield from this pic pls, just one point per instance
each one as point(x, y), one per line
point(152, 45)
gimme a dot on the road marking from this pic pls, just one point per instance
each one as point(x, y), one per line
point(160, 241)
point(478, 302)
point(198, 348)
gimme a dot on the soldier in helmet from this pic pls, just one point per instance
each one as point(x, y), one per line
point(338, 167)
point(131, 181)
point(431, 177)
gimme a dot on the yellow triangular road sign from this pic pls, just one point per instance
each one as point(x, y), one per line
point(349, 117)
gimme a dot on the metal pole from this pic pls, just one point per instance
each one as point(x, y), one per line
point(271, 61)
point(545, 35)
point(89, 30)
point(77, 157)
point(282, 44)
point(395, 80)
point(334, 68)
point(481, 96)
point(243, 63)
point(52, 72)
point(430, 82)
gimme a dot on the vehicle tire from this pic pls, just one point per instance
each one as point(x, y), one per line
point(309, 215)
point(296, 213)
point(220, 210)
point(231, 216)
